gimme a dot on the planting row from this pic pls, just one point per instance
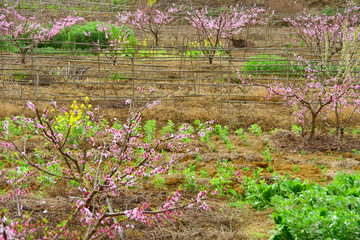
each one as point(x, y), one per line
point(96, 158)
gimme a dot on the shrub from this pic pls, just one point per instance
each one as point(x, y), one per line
point(59, 40)
point(279, 66)
point(76, 35)
point(267, 64)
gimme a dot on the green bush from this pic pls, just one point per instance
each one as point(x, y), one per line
point(59, 40)
point(279, 66)
point(75, 34)
point(260, 194)
point(266, 64)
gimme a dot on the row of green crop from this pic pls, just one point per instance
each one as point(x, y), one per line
point(302, 210)
point(282, 67)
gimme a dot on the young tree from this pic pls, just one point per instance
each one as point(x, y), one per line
point(230, 22)
point(97, 160)
point(26, 33)
point(335, 42)
point(312, 94)
point(323, 34)
point(116, 38)
point(150, 19)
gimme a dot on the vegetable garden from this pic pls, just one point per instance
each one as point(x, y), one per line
point(139, 120)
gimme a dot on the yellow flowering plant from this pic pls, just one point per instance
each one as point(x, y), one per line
point(75, 122)
point(151, 2)
point(97, 159)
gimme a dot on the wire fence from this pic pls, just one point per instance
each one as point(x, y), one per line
point(178, 33)
point(179, 67)
point(184, 72)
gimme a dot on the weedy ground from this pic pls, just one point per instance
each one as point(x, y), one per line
point(257, 148)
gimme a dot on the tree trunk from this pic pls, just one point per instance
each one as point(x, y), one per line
point(211, 56)
point(312, 130)
point(156, 40)
point(23, 56)
point(211, 59)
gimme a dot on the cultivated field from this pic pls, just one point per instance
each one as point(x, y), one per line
point(190, 137)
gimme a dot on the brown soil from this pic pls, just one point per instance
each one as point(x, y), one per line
point(310, 161)
point(291, 153)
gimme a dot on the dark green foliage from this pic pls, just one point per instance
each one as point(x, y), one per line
point(266, 64)
point(74, 36)
point(59, 40)
point(309, 211)
point(316, 212)
point(278, 66)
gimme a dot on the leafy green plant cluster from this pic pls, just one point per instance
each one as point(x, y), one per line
point(308, 211)
point(222, 180)
point(158, 181)
point(266, 153)
point(260, 194)
point(296, 129)
point(223, 133)
point(255, 129)
point(190, 182)
point(221, 184)
point(149, 129)
point(330, 212)
point(168, 129)
point(243, 135)
point(205, 134)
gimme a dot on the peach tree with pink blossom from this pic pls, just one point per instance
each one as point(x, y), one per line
point(323, 34)
point(319, 91)
point(26, 33)
point(230, 23)
point(116, 38)
point(150, 19)
point(334, 41)
point(97, 159)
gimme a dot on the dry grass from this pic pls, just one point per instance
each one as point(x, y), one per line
point(287, 7)
point(10, 109)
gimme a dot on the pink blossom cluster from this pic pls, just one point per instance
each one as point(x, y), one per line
point(115, 42)
point(25, 33)
point(100, 160)
point(150, 19)
point(229, 23)
point(321, 31)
